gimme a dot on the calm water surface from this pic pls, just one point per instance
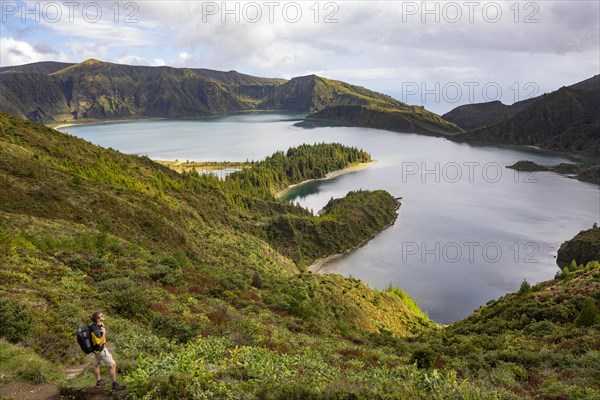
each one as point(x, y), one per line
point(468, 231)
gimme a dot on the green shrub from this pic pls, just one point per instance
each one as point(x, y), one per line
point(126, 298)
point(17, 322)
point(424, 358)
point(173, 327)
point(525, 288)
point(19, 363)
point(589, 315)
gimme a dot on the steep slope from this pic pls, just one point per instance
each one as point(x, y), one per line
point(472, 116)
point(87, 210)
point(583, 248)
point(567, 120)
point(95, 91)
point(342, 103)
point(413, 120)
point(313, 93)
point(43, 67)
point(202, 304)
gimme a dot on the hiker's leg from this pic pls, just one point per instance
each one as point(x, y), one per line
point(113, 372)
point(97, 371)
point(110, 363)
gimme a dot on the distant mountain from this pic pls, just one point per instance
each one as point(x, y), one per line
point(339, 102)
point(44, 67)
point(313, 93)
point(472, 116)
point(567, 120)
point(414, 119)
point(93, 90)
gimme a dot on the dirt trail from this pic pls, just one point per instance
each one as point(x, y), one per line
point(26, 391)
point(52, 391)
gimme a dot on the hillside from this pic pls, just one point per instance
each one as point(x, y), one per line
point(564, 121)
point(583, 248)
point(202, 282)
point(44, 67)
point(473, 116)
point(336, 102)
point(178, 255)
point(411, 119)
point(93, 90)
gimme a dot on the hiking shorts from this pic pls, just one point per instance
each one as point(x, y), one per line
point(104, 357)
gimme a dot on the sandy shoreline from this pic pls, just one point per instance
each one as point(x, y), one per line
point(331, 175)
point(61, 125)
point(316, 267)
point(100, 122)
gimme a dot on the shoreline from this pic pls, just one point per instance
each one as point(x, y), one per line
point(61, 125)
point(331, 175)
point(317, 266)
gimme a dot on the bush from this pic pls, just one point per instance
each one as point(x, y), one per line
point(19, 363)
point(424, 358)
point(126, 298)
point(17, 323)
point(525, 288)
point(173, 327)
point(589, 315)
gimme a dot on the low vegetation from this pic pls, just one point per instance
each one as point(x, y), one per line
point(204, 287)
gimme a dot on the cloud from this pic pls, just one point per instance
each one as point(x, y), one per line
point(377, 44)
point(137, 60)
point(15, 52)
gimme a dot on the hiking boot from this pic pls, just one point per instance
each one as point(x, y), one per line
point(100, 383)
point(116, 386)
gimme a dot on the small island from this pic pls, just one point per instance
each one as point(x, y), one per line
point(586, 173)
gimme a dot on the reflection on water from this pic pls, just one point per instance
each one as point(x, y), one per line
point(469, 230)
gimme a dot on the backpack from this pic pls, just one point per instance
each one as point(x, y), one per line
point(84, 338)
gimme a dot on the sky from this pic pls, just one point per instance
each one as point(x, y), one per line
point(439, 54)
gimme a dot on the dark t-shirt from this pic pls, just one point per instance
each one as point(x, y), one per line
point(98, 339)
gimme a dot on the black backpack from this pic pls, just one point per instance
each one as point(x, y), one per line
point(84, 338)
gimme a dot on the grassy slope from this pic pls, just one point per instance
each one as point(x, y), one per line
point(95, 90)
point(83, 228)
point(173, 255)
point(334, 101)
point(473, 116)
point(584, 247)
point(566, 120)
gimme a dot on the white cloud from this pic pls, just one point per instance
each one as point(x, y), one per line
point(375, 44)
point(15, 52)
point(137, 60)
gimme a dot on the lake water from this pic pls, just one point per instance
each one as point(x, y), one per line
point(468, 231)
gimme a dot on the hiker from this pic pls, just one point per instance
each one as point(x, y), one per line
point(101, 354)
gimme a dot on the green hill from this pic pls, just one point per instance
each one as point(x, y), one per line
point(583, 248)
point(473, 116)
point(337, 102)
point(411, 119)
point(203, 284)
point(94, 91)
point(564, 121)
